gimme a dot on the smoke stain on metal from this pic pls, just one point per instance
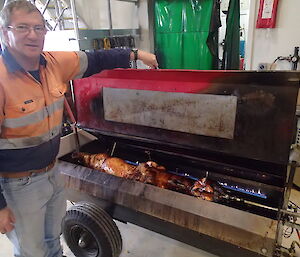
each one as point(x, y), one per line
point(201, 114)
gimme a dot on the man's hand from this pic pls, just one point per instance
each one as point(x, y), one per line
point(147, 58)
point(7, 220)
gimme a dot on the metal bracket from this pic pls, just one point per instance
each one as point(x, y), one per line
point(284, 217)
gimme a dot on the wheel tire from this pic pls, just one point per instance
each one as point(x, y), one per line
point(90, 232)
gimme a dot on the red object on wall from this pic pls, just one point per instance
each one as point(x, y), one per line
point(267, 14)
point(242, 62)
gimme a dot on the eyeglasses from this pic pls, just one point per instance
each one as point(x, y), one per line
point(25, 29)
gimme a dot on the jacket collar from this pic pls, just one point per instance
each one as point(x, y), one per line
point(11, 63)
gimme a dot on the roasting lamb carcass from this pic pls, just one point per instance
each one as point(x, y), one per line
point(149, 172)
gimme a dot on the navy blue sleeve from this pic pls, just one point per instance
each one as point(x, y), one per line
point(107, 59)
point(2, 200)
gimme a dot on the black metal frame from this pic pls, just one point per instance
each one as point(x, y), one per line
point(168, 229)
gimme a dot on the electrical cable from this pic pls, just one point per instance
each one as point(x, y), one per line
point(288, 234)
point(279, 58)
point(296, 187)
point(297, 206)
point(271, 66)
point(293, 245)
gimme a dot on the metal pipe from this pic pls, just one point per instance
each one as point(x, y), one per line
point(75, 20)
point(151, 24)
point(73, 118)
point(287, 193)
point(45, 7)
point(59, 11)
point(290, 213)
point(110, 18)
point(295, 58)
point(289, 185)
point(58, 19)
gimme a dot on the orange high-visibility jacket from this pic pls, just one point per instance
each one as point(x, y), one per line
point(31, 111)
point(31, 104)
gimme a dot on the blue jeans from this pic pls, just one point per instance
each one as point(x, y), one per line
point(39, 204)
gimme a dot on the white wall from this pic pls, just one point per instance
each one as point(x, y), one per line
point(125, 15)
point(265, 45)
point(64, 40)
point(95, 13)
point(262, 45)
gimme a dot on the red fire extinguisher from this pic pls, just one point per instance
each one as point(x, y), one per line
point(267, 14)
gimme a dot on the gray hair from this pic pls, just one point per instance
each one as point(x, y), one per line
point(6, 12)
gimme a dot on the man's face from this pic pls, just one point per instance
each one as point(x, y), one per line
point(25, 44)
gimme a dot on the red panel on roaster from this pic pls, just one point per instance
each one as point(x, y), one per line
point(266, 99)
point(155, 80)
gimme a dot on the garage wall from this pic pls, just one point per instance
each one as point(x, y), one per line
point(125, 15)
point(95, 13)
point(265, 45)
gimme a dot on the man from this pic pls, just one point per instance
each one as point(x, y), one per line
point(32, 87)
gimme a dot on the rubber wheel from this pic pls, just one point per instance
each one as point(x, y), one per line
point(90, 232)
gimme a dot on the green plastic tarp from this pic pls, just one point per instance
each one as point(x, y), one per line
point(231, 56)
point(186, 33)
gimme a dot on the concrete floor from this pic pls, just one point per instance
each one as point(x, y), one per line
point(140, 242)
point(137, 242)
point(149, 244)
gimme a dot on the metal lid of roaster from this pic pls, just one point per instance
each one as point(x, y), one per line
point(240, 113)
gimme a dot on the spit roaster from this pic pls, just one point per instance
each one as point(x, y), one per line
point(233, 129)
